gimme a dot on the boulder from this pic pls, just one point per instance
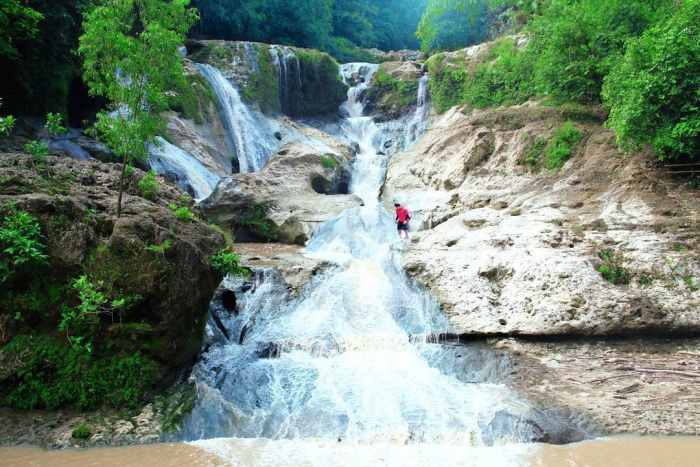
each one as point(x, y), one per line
point(299, 188)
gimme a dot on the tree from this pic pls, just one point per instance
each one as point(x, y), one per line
point(17, 21)
point(131, 57)
point(652, 93)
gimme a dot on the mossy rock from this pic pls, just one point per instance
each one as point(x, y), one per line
point(392, 92)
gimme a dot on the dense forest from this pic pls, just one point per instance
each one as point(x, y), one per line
point(603, 52)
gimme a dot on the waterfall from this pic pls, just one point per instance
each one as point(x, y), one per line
point(288, 69)
point(351, 358)
point(183, 168)
point(419, 121)
point(250, 132)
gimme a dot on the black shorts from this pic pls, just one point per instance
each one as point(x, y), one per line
point(402, 226)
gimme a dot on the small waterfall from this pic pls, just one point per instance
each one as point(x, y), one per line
point(183, 168)
point(288, 68)
point(419, 122)
point(358, 77)
point(249, 131)
point(350, 359)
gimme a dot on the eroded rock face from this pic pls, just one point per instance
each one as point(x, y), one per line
point(511, 250)
point(75, 202)
point(299, 184)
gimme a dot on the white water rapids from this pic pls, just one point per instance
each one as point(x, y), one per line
point(350, 360)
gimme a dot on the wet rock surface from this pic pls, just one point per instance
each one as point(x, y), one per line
point(512, 250)
point(292, 184)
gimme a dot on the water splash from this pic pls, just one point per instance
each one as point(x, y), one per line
point(182, 168)
point(349, 359)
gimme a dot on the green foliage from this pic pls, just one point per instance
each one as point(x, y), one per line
point(329, 162)
point(149, 186)
point(452, 24)
point(130, 53)
point(228, 262)
point(562, 146)
point(613, 267)
point(22, 245)
point(82, 322)
point(535, 153)
point(17, 22)
point(7, 124)
point(398, 93)
point(161, 248)
point(263, 86)
point(255, 220)
point(51, 375)
point(54, 124)
point(575, 44)
point(82, 432)
point(447, 82)
point(337, 26)
point(193, 98)
point(182, 213)
point(38, 149)
point(652, 92)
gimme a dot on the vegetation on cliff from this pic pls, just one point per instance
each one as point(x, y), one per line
point(94, 309)
point(639, 60)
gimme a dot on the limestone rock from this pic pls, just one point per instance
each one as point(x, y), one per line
point(479, 208)
point(299, 185)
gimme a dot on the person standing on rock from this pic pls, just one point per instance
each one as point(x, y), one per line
point(403, 217)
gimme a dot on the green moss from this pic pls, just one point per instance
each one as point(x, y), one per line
point(254, 220)
point(263, 86)
point(329, 162)
point(393, 94)
point(175, 406)
point(322, 90)
point(447, 80)
point(194, 98)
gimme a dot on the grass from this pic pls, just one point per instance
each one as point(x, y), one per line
point(562, 146)
point(329, 162)
point(613, 267)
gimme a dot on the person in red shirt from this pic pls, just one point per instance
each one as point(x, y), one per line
point(403, 217)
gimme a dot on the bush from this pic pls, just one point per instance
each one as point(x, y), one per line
point(52, 375)
point(562, 146)
point(21, 244)
point(613, 267)
point(652, 93)
point(182, 213)
point(7, 124)
point(82, 431)
point(228, 262)
point(329, 162)
point(54, 124)
point(148, 186)
point(576, 44)
point(38, 149)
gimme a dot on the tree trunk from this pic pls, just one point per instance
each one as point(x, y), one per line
point(121, 188)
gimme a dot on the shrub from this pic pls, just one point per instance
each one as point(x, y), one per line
point(148, 186)
point(228, 262)
point(52, 375)
point(329, 162)
point(82, 431)
point(562, 145)
point(7, 124)
point(447, 81)
point(160, 249)
point(54, 124)
point(535, 153)
point(38, 149)
point(652, 93)
point(613, 267)
point(182, 213)
point(21, 244)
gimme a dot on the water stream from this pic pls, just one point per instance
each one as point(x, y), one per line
point(352, 359)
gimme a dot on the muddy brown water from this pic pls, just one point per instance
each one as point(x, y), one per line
point(610, 452)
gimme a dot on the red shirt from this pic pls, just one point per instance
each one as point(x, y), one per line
point(402, 215)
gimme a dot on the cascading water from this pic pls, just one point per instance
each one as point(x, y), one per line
point(184, 169)
point(250, 133)
point(351, 359)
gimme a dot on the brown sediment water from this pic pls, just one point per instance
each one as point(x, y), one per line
point(610, 452)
